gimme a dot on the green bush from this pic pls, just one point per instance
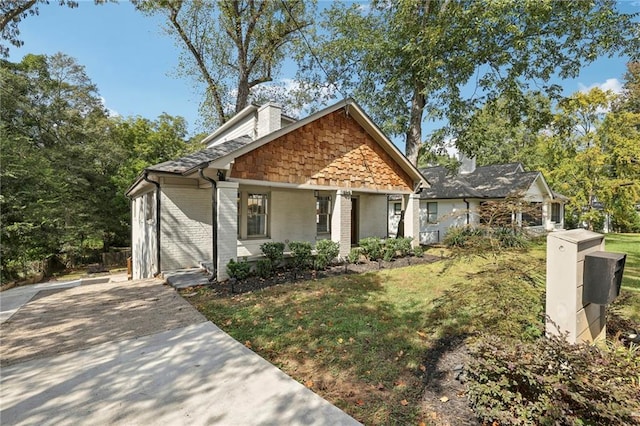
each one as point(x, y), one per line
point(418, 251)
point(274, 252)
point(326, 251)
point(354, 255)
point(300, 254)
point(372, 248)
point(510, 237)
point(463, 237)
point(264, 268)
point(403, 246)
point(238, 270)
point(552, 382)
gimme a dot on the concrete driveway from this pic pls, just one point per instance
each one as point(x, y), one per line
point(136, 353)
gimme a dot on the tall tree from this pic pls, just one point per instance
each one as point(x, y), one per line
point(231, 46)
point(409, 60)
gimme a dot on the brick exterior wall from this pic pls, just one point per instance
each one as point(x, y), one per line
point(227, 226)
point(185, 227)
point(331, 151)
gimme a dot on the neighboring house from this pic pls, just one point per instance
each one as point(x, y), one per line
point(267, 177)
point(458, 200)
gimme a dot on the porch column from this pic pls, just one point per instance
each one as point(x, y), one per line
point(341, 221)
point(546, 216)
point(227, 226)
point(412, 218)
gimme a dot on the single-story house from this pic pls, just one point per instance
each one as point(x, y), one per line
point(458, 200)
point(267, 177)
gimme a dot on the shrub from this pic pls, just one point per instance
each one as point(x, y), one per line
point(510, 237)
point(418, 251)
point(300, 254)
point(326, 251)
point(264, 268)
point(389, 250)
point(550, 381)
point(372, 248)
point(403, 246)
point(274, 252)
point(238, 270)
point(354, 255)
point(463, 236)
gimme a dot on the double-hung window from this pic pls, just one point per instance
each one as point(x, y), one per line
point(432, 212)
point(323, 214)
point(555, 212)
point(257, 215)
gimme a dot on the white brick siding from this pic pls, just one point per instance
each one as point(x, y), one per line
point(185, 227)
point(373, 216)
point(412, 218)
point(227, 226)
point(341, 222)
point(143, 236)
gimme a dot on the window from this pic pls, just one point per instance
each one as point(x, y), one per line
point(532, 215)
point(257, 215)
point(323, 214)
point(555, 213)
point(397, 209)
point(432, 212)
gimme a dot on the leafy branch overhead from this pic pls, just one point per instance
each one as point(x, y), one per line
point(409, 61)
point(231, 46)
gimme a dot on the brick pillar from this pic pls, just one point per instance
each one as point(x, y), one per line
point(227, 223)
point(341, 221)
point(412, 218)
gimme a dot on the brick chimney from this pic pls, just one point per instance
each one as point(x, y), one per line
point(268, 119)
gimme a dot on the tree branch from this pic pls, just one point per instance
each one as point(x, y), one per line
point(11, 15)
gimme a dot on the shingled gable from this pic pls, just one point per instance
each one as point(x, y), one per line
point(338, 147)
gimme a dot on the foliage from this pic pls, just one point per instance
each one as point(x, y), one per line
point(372, 248)
point(462, 236)
point(231, 47)
point(326, 251)
point(264, 268)
point(629, 244)
point(300, 254)
point(550, 381)
point(273, 251)
point(407, 61)
point(65, 163)
point(418, 251)
point(240, 269)
point(354, 255)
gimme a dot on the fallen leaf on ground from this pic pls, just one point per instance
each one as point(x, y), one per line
point(404, 402)
point(444, 399)
point(309, 383)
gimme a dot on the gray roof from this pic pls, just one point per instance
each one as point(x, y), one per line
point(200, 158)
point(495, 181)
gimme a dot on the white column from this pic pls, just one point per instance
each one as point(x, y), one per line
point(227, 226)
point(341, 221)
point(412, 218)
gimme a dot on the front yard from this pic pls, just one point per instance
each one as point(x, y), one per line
point(375, 344)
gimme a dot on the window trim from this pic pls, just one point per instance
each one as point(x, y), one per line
point(243, 214)
point(324, 197)
point(430, 213)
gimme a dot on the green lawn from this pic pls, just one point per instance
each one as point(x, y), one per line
point(362, 341)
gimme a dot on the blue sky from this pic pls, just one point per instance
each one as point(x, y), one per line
point(132, 62)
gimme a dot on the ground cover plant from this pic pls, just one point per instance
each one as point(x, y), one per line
point(385, 346)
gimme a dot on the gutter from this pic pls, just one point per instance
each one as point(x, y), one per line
point(145, 177)
point(214, 224)
point(467, 202)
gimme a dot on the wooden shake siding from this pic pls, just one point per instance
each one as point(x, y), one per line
point(331, 151)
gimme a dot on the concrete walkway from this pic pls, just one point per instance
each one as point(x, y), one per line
point(188, 375)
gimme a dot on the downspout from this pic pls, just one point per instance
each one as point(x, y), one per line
point(467, 202)
point(214, 223)
point(145, 177)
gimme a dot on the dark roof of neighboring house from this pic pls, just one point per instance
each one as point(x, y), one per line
point(494, 181)
point(191, 162)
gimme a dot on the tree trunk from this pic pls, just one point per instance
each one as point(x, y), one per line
point(414, 132)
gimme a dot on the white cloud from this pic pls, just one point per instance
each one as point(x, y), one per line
point(111, 112)
point(612, 84)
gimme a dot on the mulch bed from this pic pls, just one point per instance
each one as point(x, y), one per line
point(288, 275)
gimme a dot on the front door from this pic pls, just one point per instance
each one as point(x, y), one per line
point(354, 222)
